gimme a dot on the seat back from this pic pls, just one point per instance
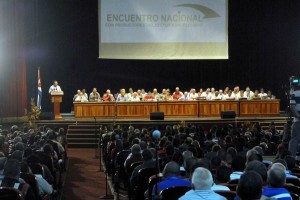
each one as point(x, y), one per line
point(152, 181)
point(134, 165)
point(10, 193)
point(174, 192)
point(46, 160)
point(31, 180)
point(294, 181)
point(142, 180)
point(292, 188)
point(229, 195)
point(37, 169)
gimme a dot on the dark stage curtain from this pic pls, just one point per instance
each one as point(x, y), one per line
point(13, 83)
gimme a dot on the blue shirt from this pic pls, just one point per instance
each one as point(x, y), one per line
point(277, 193)
point(171, 181)
point(201, 194)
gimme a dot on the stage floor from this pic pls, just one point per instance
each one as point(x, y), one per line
point(69, 119)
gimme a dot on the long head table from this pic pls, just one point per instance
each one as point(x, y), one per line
point(176, 108)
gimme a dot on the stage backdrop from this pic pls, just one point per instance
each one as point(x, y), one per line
point(168, 29)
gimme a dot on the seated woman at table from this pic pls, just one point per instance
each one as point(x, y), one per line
point(255, 95)
point(81, 98)
point(94, 96)
point(149, 97)
point(134, 97)
point(168, 96)
point(108, 96)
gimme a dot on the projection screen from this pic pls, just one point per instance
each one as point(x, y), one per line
point(163, 29)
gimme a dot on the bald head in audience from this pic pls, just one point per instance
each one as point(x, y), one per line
point(202, 179)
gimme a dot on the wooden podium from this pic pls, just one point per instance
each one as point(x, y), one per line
point(56, 99)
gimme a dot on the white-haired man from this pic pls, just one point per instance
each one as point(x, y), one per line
point(202, 182)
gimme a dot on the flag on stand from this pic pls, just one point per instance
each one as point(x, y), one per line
point(39, 97)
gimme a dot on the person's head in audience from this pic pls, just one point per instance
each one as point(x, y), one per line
point(250, 186)
point(171, 169)
point(17, 155)
point(278, 166)
point(215, 148)
point(202, 163)
point(187, 154)
point(27, 152)
point(135, 149)
point(189, 163)
point(12, 169)
point(222, 175)
point(170, 150)
point(232, 151)
point(215, 162)
point(281, 161)
point(147, 155)
point(276, 177)
point(143, 145)
point(238, 163)
point(20, 146)
point(177, 157)
point(17, 139)
point(258, 167)
point(48, 149)
point(253, 155)
point(202, 179)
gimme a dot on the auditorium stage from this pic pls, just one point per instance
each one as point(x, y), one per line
point(69, 119)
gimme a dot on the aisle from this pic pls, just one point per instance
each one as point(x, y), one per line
point(82, 179)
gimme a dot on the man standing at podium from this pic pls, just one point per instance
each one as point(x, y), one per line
point(55, 87)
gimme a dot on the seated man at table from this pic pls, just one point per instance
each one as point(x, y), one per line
point(94, 96)
point(108, 96)
point(184, 97)
point(76, 95)
point(193, 95)
point(262, 93)
point(122, 96)
point(149, 97)
point(248, 93)
point(81, 98)
point(206, 94)
point(177, 94)
point(156, 94)
point(134, 97)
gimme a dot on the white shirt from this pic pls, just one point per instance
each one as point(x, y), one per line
point(53, 88)
point(184, 98)
point(81, 99)
point(44, 186)
point(193, 96)
point(248, 95)
point(134, 98)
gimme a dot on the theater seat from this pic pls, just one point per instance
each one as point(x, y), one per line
point(174, 192)
point(229, 195)
point(294, 181)
point(10, 193)
point(234, 181)
point(292, 189)
point(142, 178)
